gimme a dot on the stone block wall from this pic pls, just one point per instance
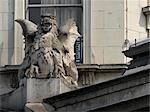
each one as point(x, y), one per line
point(6, 32)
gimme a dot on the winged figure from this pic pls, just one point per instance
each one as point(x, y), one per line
point(49, 50)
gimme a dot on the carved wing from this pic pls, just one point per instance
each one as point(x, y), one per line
point(29, 31)
point(28, 27)
point(69, 34)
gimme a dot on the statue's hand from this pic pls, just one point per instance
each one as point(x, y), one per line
point(32, 71)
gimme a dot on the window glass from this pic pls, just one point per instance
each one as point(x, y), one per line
point(62, 14)
point(34, 15)
point(55, 1)
point(34, 1)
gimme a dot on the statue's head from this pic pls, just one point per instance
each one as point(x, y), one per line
point(47, 22)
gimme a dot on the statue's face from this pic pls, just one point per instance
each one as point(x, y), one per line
point(46, 24)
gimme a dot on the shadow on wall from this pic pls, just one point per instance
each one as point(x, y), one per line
point(142, 20)
point(1, 51)
point(10, 26)
point(10, 47)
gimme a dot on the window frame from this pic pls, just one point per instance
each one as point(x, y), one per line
point(28, 6)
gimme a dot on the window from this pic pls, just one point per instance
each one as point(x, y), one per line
point(63, 10)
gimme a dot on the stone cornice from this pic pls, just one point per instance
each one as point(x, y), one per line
point(81, 67)
point(120, 90)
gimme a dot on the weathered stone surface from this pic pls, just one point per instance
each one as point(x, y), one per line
point(120, 94)
point(11, 71)
point(139, 53)
point(49, 50)
point(14, 100)
point(8, 81)
point(93, 73)
point(38, 89)
point(35, 107)
point(117, 91)
point(100, 72)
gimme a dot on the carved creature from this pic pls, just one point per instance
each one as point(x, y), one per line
point(49, 50)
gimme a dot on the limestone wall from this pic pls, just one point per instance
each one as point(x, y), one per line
point(113, 21)
point(129, 93)
point(107, 31)
point(6, 32)
point(110, 22)
point(11, 40)
point(136, 22)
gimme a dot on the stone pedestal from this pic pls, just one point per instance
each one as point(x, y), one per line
point(39, 89)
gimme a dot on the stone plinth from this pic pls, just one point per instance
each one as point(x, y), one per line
point(38, 89)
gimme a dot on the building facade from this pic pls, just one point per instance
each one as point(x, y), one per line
point(103, 24)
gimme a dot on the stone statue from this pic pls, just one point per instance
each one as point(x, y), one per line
point(49, 50)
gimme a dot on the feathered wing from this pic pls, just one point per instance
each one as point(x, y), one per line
point(28, 27)
point(71, 34)
point(68, 35)
point(29, 31)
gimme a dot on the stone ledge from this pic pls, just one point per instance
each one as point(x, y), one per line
point(140, 48)
point(101, 67)
point(81, 67)
point(136, 70)
point(146, 10)
point(7, 68)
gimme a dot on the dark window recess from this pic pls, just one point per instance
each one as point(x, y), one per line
point(79, 50)
point(55, 1)
point(34, 1)
point(62, 14)
point(34, 15)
